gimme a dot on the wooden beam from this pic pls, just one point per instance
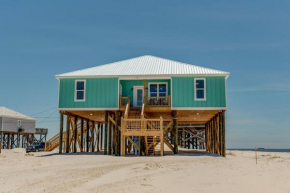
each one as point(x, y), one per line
point(67, 133)
point(93, 136)
point(117, 134)
point(168, 126)
point(123, 140)
point(144, 91)
point(101, 136)
point(112, 120)
point(109, 136)
point(60, 133)
point(133, 143)
point(75, 133)
point(106, 134)
point(82, 135)
point(175, 129)
point(169, 145)
point(161, 137)
point(88, 137)
point(98, 137)
point(224, 135)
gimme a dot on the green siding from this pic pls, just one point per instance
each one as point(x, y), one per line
point(127, 85)
point(100, 93)
point(183, 92)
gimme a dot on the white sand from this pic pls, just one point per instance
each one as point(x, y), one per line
point(50, 172)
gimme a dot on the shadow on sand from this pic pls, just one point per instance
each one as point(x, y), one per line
point(183, 152)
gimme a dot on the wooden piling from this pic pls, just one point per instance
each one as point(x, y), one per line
point(60, 133)
point(93, 136)
point(82, 135)
point(101, 135)
point(109, 138)
point(117, 134)
point(98, 137)
point(88, 137)
point(9, 141)
point(175, 128)
point(106, 134)
point(67, 133)
point(223, 135)
point(75, 133)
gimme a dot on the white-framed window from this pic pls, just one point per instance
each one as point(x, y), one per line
point(158, 89)
point(200, 89)
point(80, 91)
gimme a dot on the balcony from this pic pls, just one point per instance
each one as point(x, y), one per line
point(158, 104)
point(151, 103)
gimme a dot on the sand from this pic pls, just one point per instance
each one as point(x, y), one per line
point(188, 172)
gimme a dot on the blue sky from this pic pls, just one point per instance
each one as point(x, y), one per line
point(250, 39)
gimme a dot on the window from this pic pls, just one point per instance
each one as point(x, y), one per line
point(80, 90)
point(200, 89)
point(157, 89)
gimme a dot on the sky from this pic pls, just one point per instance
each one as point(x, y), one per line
point(250, 39)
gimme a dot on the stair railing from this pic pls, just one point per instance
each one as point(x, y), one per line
point(127, 110)
point(143, 111)
point(54, 142)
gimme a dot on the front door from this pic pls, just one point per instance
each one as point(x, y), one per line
point(138, 96)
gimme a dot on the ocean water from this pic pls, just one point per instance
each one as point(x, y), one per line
point(264, 150)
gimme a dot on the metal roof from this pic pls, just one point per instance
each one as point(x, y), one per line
point(5, 112)
point(143, 66)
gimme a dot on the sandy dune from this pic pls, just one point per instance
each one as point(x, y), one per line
point(188, 172)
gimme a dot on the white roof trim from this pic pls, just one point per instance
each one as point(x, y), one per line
point(143, 66)
point(5, 112)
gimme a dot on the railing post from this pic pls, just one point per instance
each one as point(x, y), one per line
point(122, 138)
point(161, 137)
point(60, 134)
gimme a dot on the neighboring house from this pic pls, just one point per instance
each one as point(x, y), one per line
point(183, 104)
point(13, 126)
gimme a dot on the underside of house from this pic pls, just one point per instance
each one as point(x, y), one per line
point(142, 112)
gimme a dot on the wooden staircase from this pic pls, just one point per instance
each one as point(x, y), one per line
point(135, 113)
point(134, 123)
point(53, 143)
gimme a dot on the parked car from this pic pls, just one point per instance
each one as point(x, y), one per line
point(35, 147)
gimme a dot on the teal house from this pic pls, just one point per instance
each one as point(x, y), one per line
point(167, 105)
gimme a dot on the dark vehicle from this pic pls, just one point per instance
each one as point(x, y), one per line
point(35, 147)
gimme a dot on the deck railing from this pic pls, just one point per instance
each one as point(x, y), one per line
point(124, 101)
point(127, 109)
point(142, 126)
point(158, 101)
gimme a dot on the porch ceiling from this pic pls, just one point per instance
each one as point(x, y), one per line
point(196, 116)
point(184, 116)
point(98, 116)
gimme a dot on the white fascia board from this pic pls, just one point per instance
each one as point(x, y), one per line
point(133, 77)
point(86, 109)
point(199, 108)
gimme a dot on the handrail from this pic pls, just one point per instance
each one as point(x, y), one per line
point(123, 101)
point(53, 142)
point(142, 111)
point(127, 110)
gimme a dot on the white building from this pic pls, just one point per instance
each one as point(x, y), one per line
point(14, 122)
